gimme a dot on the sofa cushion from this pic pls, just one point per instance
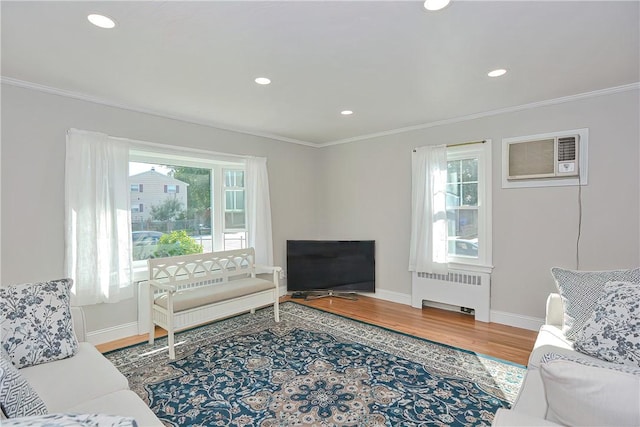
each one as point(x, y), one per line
point(68, 382)
point(71, 420)
point(612, 332)
point(587, 393)
point(123, 402)
point(36, 322)
point(17, 397)
point(581, 289)
point(509, 418)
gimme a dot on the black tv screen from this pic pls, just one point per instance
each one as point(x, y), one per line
point(336, 265)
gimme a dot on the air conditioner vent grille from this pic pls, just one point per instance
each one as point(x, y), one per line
point(566, 149)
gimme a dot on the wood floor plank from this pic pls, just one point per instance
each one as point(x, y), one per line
point(446, 327)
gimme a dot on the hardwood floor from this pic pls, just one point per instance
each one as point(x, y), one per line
point(447, 327)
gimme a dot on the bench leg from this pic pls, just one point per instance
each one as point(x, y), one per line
point(172, 350)
point(276, 310)
point(152, 332)
point(253, 311)
point(152, 325)
point(152, 328)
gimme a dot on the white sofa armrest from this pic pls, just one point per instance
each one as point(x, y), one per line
point(555, 311)
point(79, 323)
point(509, 418)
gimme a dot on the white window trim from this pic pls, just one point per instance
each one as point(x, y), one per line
point(484, 262)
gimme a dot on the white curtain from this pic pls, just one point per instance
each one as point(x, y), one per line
point(428, 250)
point(259, 210)
point(97, 218)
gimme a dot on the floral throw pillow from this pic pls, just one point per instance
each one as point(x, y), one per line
point(581, 289)
point(36, 322)
point(612, 333)
point(17, 397)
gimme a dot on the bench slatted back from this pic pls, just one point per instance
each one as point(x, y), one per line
point(195, 270)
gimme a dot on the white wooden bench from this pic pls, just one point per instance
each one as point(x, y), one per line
point(189, 290)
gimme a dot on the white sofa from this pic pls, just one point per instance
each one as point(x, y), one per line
point(531, 407)
point(86, 383)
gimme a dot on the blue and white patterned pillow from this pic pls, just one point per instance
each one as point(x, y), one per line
point(581, 289)
point(71, 420)
point(612, 332)
point(17, 397)
point(36, 322)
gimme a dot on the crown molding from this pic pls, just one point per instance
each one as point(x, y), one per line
point(102, 101)
point(555, 101)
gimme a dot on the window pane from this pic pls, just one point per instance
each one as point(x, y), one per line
point(235, 240)
point(453, 195)
point(233, 178)
point(234, 220)
point(453, 171)
point(176, 219)
point(234, 209)
point(469, 170)
point(469, 196)
point(463, 232)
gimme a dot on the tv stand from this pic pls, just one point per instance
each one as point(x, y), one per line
point(324, 294)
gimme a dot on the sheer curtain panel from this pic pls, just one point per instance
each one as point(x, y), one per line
point(259, 210)
point(98, 225)
point(428, 250)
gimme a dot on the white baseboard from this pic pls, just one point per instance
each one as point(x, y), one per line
point(391, 296)
point(517, 320)
point(113, 333)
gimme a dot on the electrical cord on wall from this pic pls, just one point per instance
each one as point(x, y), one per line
point(579, 223)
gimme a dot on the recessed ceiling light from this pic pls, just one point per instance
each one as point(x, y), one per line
point(101, 21)
point(436, 4)
point(497, 73)
point(346, 112)
point(262, 81)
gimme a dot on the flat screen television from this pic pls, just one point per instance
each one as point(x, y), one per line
point(331, 265)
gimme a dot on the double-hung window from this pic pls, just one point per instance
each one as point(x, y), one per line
point(468, 204)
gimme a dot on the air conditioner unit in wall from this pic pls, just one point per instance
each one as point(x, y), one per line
point(552, 157)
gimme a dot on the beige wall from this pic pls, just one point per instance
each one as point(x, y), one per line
point(366, 194)
point(359, 190)
point(33, 156)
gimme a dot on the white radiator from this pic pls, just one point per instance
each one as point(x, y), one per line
point(458, 288)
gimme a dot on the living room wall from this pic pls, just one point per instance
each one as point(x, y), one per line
point(366, 194)
point(34, 126)
point(359, 190)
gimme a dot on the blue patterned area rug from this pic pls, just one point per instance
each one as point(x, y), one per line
point(315, 368)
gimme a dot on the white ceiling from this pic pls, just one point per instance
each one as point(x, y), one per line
point(391, 62)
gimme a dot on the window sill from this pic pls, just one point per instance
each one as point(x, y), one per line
point(477, 268)
point(140, 273)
